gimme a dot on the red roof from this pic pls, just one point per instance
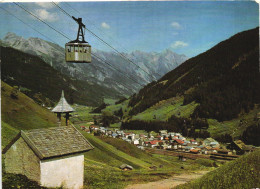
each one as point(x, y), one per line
point(194, 151)
point(153, 142)
point(179, 141)
point(192, 140)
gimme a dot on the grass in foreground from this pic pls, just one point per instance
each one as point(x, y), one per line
point(102, 164)
point(241, 173)
point(18, 181)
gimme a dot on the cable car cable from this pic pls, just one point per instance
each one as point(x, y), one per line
point(62, 9)
point(41, 20)
point(55, 43)
point(114, 80)
point(117, 69)
point(120, 71)
point(28, 25)
point(95, 54)
point(122, 55)
point(68, 5)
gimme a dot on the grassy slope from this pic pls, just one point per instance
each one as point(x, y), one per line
point(165, 109)
point(135, 152)
point(116, 107)
point(21, 114)
point(82, 114)
point(101, 164)
point(109, 155)
point(8, 132)
point(232, 127)
point(241, 173)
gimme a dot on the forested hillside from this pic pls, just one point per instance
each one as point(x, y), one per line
point(44, 84)
point(224, 80)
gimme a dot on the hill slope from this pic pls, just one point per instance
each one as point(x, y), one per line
point(241, 173)
point(216, 93)
point(35, 76)
point(21, 112)
point(223, 80)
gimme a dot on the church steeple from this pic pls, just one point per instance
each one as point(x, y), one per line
point(63, 107)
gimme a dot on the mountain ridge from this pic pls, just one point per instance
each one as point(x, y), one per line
point(98, 72)
point(216, 66)
point(43, 83)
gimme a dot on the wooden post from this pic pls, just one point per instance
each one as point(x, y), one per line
point(59, 118)
point(67, 118)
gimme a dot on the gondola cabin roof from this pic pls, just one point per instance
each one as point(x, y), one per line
point(63, 106)
point(77, 43)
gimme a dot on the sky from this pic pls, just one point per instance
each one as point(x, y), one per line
point(187, 27)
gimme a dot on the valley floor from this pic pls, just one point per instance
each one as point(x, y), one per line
point(170, 182)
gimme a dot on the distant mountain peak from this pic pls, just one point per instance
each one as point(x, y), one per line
point(154, 63)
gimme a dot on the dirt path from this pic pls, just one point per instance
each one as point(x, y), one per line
point(168, 183)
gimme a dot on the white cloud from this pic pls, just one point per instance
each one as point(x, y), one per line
point(105, 25)
point(179, 44)
point(176, 25)
point(46, 5)
point(47, 16)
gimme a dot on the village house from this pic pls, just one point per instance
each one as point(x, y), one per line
point(159, 137)
point(114, 135)
point(171, 134)
point(94, 128)
point(141, 141)
point(177, 143)
point(153, 143)
point(194, 142)
point(136, 141)
point(210, 142)
point(240, 147)
point(163, 133)
point(53, 157)
point(126, 167)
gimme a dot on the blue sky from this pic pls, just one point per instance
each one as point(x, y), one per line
point(188, 28)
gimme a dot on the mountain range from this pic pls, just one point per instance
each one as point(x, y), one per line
point(153, 65)
point(216, 93)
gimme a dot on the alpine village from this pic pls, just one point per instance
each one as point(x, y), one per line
point(79, 111)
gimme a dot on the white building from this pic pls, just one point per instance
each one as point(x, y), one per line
point(52, 157)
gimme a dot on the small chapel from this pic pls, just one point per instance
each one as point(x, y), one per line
point(53, 157)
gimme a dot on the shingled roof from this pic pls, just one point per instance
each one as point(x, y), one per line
point(54, 141)
point(62, 105)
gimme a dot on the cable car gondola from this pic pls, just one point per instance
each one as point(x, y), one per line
point(78, 51)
